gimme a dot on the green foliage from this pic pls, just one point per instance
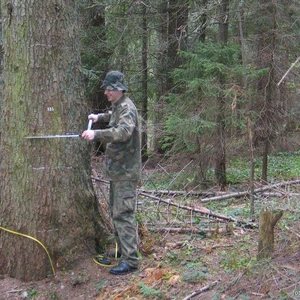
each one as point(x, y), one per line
point(147, 291)
point(32, 293)
point(284, 165)
point(54, 296)
point(188, 257)
point(100, 285)
point(181, 132)
point(201, 68)
point(281, 166)
point(237, 259)
point(191, 119)
point(194, 274)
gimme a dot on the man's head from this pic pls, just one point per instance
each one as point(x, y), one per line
point(114, 81)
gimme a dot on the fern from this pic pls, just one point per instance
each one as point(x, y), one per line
point(148, 291)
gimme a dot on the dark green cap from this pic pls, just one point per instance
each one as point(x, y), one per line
point(114, 80)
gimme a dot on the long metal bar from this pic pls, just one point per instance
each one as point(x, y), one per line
point(56, 136)
point(59, 136)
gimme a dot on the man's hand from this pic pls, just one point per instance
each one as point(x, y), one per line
point(94, 117)
point(88, 135)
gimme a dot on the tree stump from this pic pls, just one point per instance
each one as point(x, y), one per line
point(267, 222)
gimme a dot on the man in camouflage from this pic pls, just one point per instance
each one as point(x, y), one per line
point(122, 166)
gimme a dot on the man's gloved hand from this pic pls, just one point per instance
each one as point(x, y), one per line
point(88, 135)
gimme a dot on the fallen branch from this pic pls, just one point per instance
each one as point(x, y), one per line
point(201, 210)
point(14, 291)
point(280, 194)
point(184, 193)
point(245, 193)
point(219, 197)
point(204, 289)
point(190, 230)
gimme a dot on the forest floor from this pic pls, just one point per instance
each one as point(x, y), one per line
point(182, 265)
point(277, 278)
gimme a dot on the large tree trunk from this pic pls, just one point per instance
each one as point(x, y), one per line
point(45, 185)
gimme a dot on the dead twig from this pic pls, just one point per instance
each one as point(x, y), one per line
point(295, 233)
point(288, 71)
point(202, 290)
point(14, 291)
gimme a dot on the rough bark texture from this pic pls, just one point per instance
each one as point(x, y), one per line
point(45, 185)
point(145, 84)
point(220, 146)
point(267, 222)
point(172, 39)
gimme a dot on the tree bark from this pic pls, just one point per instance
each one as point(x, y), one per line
point(220, 166)
point(271, 120)
point(267, 222)
point(45, 185)
point(203, 21)
point(94, 58)
point(172, 38)
point(144, 84)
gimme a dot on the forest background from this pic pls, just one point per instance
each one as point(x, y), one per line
point(215, 82)
point(207, 76)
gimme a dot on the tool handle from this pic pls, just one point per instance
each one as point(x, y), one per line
point(90, 124)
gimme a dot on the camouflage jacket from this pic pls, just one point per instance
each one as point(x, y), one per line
point(123, 142)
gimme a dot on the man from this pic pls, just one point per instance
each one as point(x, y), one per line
point(122, 166)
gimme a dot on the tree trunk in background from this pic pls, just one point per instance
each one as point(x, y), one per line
point(162, 78)
point(144, 84)
point(177, 35)
point(203, 21)
point(45, 184)
point(95, 60)
point(270, 122)
point(220, 167)
point(172, 38)
point(95, 55)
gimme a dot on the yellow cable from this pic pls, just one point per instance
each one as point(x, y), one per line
point(101, 256)
point(30, 237)
point(103, 265)
point(116, 251)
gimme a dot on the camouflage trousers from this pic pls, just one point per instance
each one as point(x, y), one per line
point(122, 199)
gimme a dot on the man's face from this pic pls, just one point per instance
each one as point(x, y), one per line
point(113, 96)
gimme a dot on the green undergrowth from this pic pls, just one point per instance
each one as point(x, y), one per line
point(206, 255)
point(281, 166)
